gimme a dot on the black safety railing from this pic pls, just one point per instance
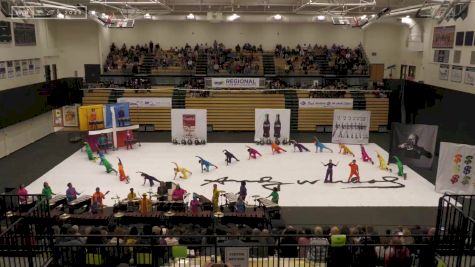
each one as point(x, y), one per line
point(455, 230)
point(13, 207)
point(106, 250)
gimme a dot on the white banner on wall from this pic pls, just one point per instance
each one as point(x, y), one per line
point(444, 72)
point(456, 74)
point(70, 116)
point(326, 103)
point(351, 126)
point(272, 124)
point(454, 173)
point(236, 83)
point(189, 124)
point(469, 76)
point(147, 102)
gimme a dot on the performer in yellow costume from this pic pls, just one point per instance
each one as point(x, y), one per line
point(382, 162)
point(184, 172)
point(145, 205)
point(346, 150)
point(215, 198)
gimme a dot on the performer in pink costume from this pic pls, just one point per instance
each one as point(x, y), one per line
point(364, 156)
point(253, 153)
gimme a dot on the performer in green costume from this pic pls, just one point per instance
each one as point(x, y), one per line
point(90, 155)
point(107, 164)
point(400, 166)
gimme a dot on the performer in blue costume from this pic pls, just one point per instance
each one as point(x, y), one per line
point(320, 146)
point(205, 164)
point(299, 146)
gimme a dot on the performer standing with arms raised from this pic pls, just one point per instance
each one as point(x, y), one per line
point(329, 174)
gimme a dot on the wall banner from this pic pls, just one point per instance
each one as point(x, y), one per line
point(331, 103)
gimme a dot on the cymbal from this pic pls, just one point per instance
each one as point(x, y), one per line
point(64, 216)
point(169, 213)
point(255, 196)
point(9, 213)
point(119, 214)
point(117, 197)
point(218, 214)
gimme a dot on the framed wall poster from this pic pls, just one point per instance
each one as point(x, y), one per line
point(457, 56)
point(469, 38)
point(469, 76)
point(17, 68)
point(10, 70)
point(403, 73)
point(37, 63)
point(24, 34)
point(411, 74)
point(441, 56)
point(271, 124)
point(70, 116)
point(31, 66)
point(472, 58)
point(57, 117)
point(459, 38)
point(456, 74)
point(3, 70)
point(444, 72)
point(443, 37)
point(24, 67)
point(5, 32)
point(189, 124)
point(351, 126)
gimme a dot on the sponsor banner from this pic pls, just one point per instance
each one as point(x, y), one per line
point(189, 124)
point(413, 144)
point(326, 103)
point(469, 76)
point(456, 74)
point(351, 126)
point(272, 124)
point(237, 82)
point(147, 102)
point(444, 72)
point(443, 37)
point(454, 172)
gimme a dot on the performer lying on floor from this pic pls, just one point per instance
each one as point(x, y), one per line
point(205, 164)
point(276, 148)
point(320, 146)
point(229, 156)
point(345, 150)
point(299, 146)
point(184, 172)
point(150, 178)
point(253, 153)
point(364, 156)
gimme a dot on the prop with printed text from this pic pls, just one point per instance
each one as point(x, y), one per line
point(189, 124)
point(272, 125)
point(351, 126)
point(454, 173)
point(413, 144)
point(344, 103)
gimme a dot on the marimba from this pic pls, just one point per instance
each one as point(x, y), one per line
point(168, 205)
point(231, 198)
point(206, 204)
point(84, 200)
point(57, 200)
point(267, 204)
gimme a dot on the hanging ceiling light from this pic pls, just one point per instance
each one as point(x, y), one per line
point(321, 17)
point(190, 16)
point(147, 16)
point(277, 17)
point(233, 17)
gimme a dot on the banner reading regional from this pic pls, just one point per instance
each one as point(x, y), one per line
point(413, 144)
point(454, 173)
point(189, 124)
point(237, 82)
point(351, 126)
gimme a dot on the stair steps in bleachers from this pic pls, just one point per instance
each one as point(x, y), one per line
point(178, 98)
point(114, 95)
point(147, 64)
point(322, 63)
point(359, 100)
point(269, 64)
point(202, 65)
point(292, 103)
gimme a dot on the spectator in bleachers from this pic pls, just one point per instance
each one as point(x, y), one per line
point(318, 247)
point(397, 255)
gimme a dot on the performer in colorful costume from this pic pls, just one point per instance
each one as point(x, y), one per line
point(345, 150)
point(122, 175)
point(205, 164)
point(382, 162)
point(229, 156)
point(184, 172)
point(253, 153)
point(400, 166)
point(276, 148)
point(329, 174)
point(299, 146)
point(320, 146)
point(354, 172)
point(364, 156)
point(89, 153)
point(107, 164)
point(215, 198)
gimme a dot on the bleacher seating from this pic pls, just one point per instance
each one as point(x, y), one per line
point(96, 96)
point(234, 111)
point(379, 107)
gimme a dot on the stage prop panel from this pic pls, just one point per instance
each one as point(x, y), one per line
point(91, 117)
point(122, 115)
point(272, 124)
point(413, 144)
point(71, 116)
point(454, 172)
point(351, 126)
point(189, 124)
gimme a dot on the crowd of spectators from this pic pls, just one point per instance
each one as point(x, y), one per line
point(395, 247)
point(125, 59)
point(183, 57)
point(338, 59)
point(242, 61)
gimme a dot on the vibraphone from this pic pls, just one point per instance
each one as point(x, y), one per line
point(101, 218)
point(56, 201)
point(84, 200)
point(168, 205)
point(272, 209)
point(152, 218)
point(202, 217)
point(251, 218)
point(206, 204)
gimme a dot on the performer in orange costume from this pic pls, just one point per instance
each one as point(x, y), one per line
point(122, 175)
point(277, 149)
point(145, 205)
point(354, 172)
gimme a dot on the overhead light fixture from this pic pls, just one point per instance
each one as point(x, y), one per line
point(363, 17)
point(190, 16)
point(277, 17)
point(233, 17)
point(147, 16)
point(60, 16)
point(374, 15)
point(408, 16)
point(93, 12)
point(321, 17)
point(406, 20)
